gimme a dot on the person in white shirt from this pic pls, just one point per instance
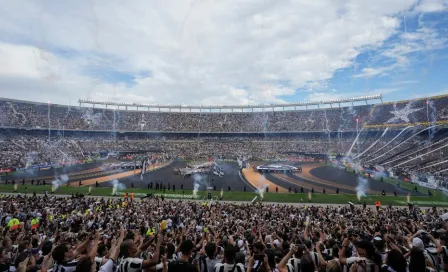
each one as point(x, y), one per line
point(229, 264)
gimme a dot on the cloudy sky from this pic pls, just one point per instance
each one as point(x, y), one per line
point(222, 51)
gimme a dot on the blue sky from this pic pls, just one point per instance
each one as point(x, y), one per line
point(222, 52)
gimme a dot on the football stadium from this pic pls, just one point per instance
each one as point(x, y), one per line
point(224, 136)
point(356, 149)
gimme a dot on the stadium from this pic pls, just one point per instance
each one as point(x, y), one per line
point(224, 136)
point(347, 148)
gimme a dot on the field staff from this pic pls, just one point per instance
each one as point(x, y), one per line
point(377, 205)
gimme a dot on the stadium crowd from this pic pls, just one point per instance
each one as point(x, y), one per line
point(129, 235)
point(31, 115)
point(420, 111)
point(19, 151)
point(333, 132)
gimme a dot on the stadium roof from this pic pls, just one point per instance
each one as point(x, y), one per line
point(214, 107)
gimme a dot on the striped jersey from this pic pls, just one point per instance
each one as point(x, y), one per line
point(295, 263)
point(130, 265)
point(65, 267)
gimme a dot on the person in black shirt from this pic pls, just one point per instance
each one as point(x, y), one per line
point(183, 264)
point(4, 265)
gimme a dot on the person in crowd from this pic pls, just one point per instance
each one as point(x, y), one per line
point(229, 263)
point(184, 262)
point(94, 234)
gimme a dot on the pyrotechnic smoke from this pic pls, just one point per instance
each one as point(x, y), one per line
point(90, 189)
point(432, 118)
point(195, 190)
point(197, 184)
point(255, 198)
point(59, 181)
point(30, 156)
point(361, 188)
point(53, 188)
point(262, 187)
point(355, 165)
point(372, 145)
point(380, 173)
point(391, 173)
point(342, 124)
point(15, 187)
point(414, 179)
point(222, 192)
point(310, 195)
point(116, 185)
point(432, 181)
point(408, 197)
point(354, 142)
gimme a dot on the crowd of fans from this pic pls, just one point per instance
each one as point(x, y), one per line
point(432, 111)
point(20, 151)
point(32, 115)
point(153, 234)
point(333, 132)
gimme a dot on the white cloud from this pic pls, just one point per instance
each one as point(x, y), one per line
point(398, 52)
point(196, 52)
point(432, 6)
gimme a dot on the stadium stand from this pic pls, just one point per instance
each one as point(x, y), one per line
point(73, 234)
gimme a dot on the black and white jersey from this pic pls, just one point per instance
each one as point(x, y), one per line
point(370, 265)
point(130, 265)
point(220, 267)
point(257, 265)
point(65, 267)
point(288, 266)
point(295, 263)
point(315, 257)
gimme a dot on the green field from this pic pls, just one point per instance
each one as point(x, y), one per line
point(439, 199)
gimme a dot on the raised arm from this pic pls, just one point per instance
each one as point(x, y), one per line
point(94, 249)
point(319, 254)
point(342, 256)
point(115, 251)
point(282, 265)
point(81, 247)
point(150, 262)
